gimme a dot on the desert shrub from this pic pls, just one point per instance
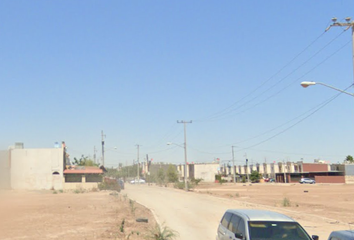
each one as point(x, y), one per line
point(181, 185)
point(162, 233)
point(112, 185)
point(196, 181)
point(286, 202)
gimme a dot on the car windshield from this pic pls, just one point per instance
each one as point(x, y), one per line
point(277, 230)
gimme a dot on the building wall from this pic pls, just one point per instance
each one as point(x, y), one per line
point(349, 169)
point(330, 179)
point(315, 167)
point(36, 169)
point(80, 186)
point(349, 179)
point(4, 170)
point(206, 171)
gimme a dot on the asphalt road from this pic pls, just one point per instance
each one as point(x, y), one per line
point(196, 216)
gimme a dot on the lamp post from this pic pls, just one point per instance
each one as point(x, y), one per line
point(185, 162)
point(306, 84)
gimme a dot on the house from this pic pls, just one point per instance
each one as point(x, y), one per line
point(44, 169)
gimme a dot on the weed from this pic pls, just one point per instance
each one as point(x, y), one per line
point(121, 228)
point(132, 207)
point(286, 202)
point(125, 196)
point(237, 195)
point(61, 191)
point(55, 192)
point(162, 233)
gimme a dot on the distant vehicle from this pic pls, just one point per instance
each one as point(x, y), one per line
point(121, 183)
point(307, 180)
point(269, 180)
point(251, 224)
point(137, 181)
point(342, 235)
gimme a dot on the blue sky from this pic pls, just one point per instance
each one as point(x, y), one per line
point(70, 69)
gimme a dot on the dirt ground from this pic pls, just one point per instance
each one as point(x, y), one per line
point(332, 201)
point(91, 215)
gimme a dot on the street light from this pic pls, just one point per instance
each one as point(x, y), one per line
point(185, 162)
point(306, 84)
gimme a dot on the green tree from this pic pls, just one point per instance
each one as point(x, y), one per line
point(349, 159)
point(84, 161)
point(255, 176)
point(160, 176)
point(172, 175)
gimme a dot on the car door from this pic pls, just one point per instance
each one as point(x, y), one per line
point(223, 226)
point(236, 228)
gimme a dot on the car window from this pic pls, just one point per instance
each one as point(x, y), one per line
point(276, 230)
point(226, 219)
point(234, 223)
point(241, 227)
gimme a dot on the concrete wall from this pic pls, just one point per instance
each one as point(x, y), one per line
point(5, 169)
point(330, 179)
point(349, 169)
point(349, 179)
point(80, 186)
point(206, 171)
point(36, 169)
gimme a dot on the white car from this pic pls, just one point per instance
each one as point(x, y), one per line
point(251, 224)
point(137, 181)
point(307, 180)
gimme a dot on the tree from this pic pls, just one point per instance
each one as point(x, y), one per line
point(349, 159)
point(255, 176)
point(84, 161)
point(172, 175)
point(160, 176)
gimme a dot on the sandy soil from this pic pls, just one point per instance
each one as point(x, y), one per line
point(94, 215)
point(320, 209)
point(333, 201)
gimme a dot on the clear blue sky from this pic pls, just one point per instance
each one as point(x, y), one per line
point(70, 69)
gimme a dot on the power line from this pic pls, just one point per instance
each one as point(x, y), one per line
point(224, 115)
point(266, 81)
point(298, 122)
point(282, 89)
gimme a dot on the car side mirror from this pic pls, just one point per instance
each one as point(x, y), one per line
point(239, 235)
point(315, 237)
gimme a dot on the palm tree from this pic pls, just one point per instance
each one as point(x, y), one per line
point(162, 233)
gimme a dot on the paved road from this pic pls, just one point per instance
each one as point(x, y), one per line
point(196, 216)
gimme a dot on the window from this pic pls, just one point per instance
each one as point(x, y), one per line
point(277, 230)
point(234, 223)
point(226, 219)
point(241, 227)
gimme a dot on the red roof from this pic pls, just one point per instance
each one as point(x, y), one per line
point(83, 171)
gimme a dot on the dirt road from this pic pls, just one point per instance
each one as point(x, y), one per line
point(196, 216)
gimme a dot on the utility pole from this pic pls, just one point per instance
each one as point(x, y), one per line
point(348, 24)
point(137, 161)
point(185, 153)
point(285, 181)
point(248, 179)
point(103, 136)
point(233, 163)
point(94, 154)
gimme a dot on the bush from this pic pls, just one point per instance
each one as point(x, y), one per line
point(181, 185)
point(162, 233)
point(286, 202)
point(112, 185)
point(196, 181)
point(255, 176)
